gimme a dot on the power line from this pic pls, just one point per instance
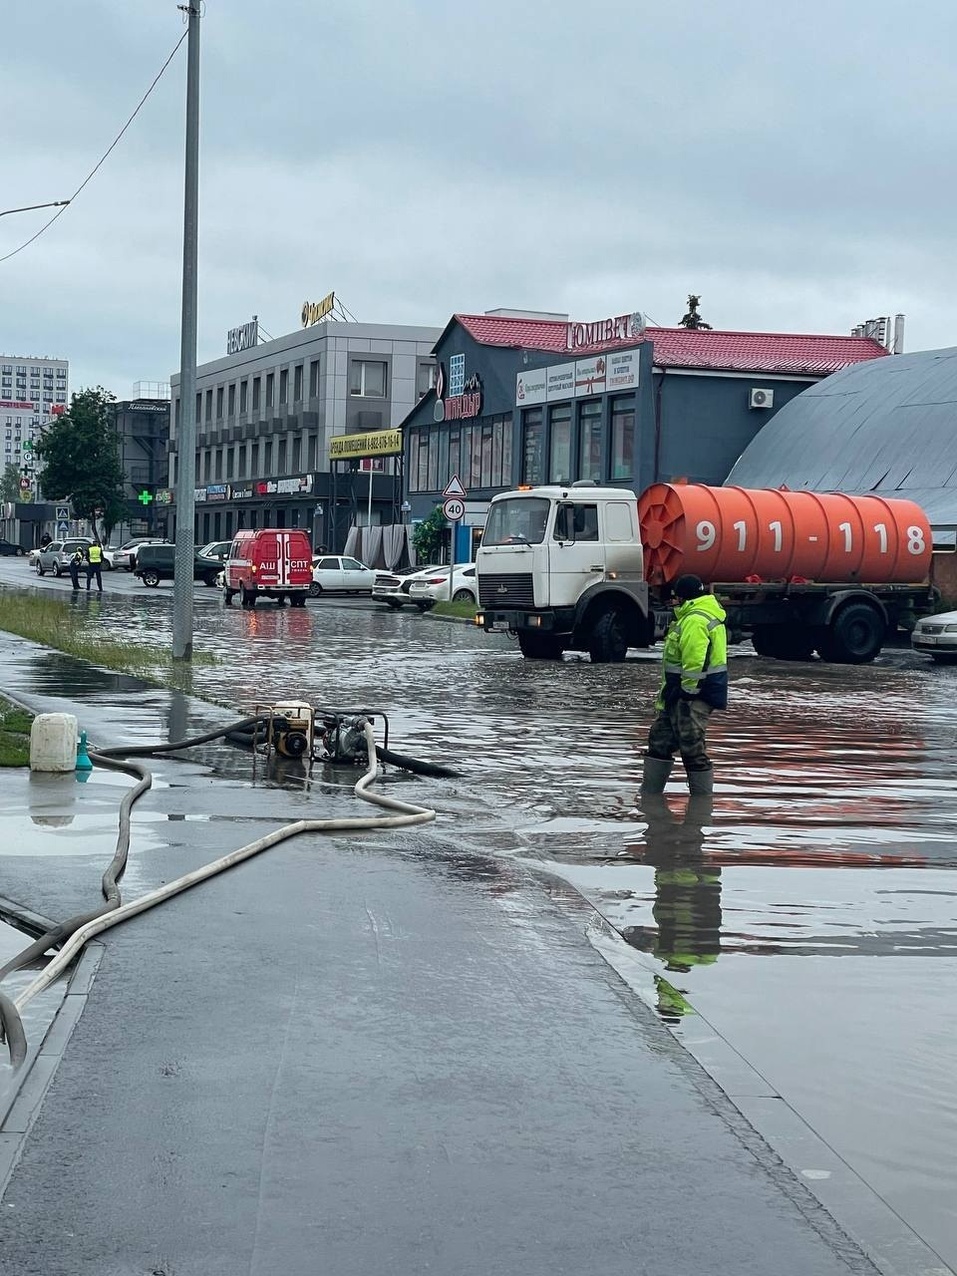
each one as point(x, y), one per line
point(103, 157)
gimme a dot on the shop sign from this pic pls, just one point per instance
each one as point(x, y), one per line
point(199, 495)
point(590, 375)
point(560, 382)
point(163, 496)
point(15, 405)
point(149, 405)
point(216, 492)
point(316, 311)
point(344, 447)
point(285, 486)
point(245, 337)
point(465, 399)
point(622, 370)
point(240, 493)
point(530, 387)
point(602, 331)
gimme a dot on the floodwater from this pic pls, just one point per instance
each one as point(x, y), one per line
point(809, 917)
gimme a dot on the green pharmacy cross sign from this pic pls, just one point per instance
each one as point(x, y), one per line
point(145, 497)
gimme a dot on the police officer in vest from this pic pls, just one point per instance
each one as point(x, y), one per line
point(694, 683)
point(94, 566)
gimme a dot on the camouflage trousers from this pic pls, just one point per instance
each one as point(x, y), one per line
point(682, 727)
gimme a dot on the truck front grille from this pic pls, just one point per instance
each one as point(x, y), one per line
point(506, 591)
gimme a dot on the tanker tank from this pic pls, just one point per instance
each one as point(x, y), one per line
point(731, 534)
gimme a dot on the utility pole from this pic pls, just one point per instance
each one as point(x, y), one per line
point(186, 435)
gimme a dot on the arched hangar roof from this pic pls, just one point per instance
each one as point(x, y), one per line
point(887, 426)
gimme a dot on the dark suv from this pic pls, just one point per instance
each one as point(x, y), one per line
point(156, 562)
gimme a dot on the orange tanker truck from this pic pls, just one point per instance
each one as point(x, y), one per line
point(588, 568)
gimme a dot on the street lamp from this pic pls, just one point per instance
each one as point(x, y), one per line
point(57, 203)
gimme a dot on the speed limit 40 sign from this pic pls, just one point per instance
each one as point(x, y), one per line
point(453, 509)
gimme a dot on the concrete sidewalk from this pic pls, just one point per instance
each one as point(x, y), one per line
point(361, 1054)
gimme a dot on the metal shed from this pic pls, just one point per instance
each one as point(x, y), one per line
point(887, 426)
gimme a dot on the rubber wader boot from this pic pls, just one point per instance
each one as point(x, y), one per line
point(701, 783)
point(655, 774)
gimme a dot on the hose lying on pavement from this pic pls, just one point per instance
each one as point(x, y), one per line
point(408, 814)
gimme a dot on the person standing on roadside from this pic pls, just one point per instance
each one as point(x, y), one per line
point(74, 565)
point(694, 683)
point(94, 566)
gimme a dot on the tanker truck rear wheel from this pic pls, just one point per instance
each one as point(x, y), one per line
point(608, 643)
point(854, 636)
point(540, 646)
point(247, 597)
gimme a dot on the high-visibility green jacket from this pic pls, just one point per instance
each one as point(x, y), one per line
point(696, 655)
point(94, 554)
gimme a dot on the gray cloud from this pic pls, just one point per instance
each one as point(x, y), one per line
point(789, 163)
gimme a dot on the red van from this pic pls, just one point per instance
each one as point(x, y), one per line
point(269, 562)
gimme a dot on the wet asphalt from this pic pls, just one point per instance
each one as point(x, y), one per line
point(437, 986)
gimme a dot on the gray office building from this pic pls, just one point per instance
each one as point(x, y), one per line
point(266, 413)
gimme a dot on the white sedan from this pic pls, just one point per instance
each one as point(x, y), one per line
point(937, 636)
point(429, 588)
point(338, 574)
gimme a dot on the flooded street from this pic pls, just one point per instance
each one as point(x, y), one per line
point(808, 920)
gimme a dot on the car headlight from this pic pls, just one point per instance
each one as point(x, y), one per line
point(950, 629)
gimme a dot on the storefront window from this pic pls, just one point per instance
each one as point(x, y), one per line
point(498, 425)
point(591, 466)
point(455, 455)
point(560, 444)
point(433, 480)
point(533, 446)
point(623, 439)
point(476, 456)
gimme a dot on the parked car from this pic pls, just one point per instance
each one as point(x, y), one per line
point(392, 588)
point(937, 636)
point(157, 562)
point(428, 588)
point(337, 574)
point(56, 556)
point(125, 556)
point(216, 549)
point(8, 549)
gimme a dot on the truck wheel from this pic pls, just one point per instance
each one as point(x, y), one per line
point(782, 642)
point(247, 596)
point(228, 596)
point(540, 646)
point(608, 643)
point(151, 578)
point(854, 636)
point(297, 600)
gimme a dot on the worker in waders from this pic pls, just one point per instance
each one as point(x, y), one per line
point(694, 684)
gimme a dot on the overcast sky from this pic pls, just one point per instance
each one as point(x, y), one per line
point(792, 164)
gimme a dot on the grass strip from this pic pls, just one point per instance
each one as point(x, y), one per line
point(463, 611)
point(56, 623)
point(15, 724)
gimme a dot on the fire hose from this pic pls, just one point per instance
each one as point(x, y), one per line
point(74, 933)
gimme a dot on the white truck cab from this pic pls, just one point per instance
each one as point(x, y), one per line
point(560, 567)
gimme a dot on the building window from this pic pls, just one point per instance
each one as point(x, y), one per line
point(623, 438)
point(367, 378)
point(313, 378)
point(241, 464)
point(267, 457)
point(219, 464)
point(243, 397)
point(297, 384)
point(176, 416)
point(281, 458)
point(253, 460)
point(230, 462)
point(533, 446)
point(284, 386)
point(256, 381)
point(232, 401)
point(560, 444)
point(207, 464)
point(270, 388)
point(425, 374)
point(591, 458)
point(199, 408)
point(209, 405)
point(455, 451)
point(219, 403)
point(296, 454)
point(311, 454)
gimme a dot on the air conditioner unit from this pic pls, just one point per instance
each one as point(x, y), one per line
point(759, 398)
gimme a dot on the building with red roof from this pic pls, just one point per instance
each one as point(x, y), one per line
point(522, 397)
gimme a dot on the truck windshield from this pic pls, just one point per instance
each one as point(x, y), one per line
point(516, 521)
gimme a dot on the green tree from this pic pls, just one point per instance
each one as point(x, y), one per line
point(79, 457)
point(10, 483)
point(692, 319)
point(428, 536)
